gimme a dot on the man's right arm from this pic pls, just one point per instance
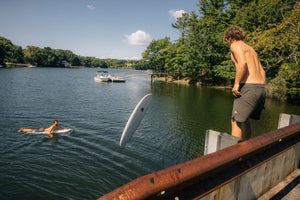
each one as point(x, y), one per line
point(240, 66)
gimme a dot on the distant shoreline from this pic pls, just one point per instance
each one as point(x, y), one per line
point(17, 65)
point(20, 65)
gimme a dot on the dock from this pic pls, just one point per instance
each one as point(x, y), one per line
point(263, 167)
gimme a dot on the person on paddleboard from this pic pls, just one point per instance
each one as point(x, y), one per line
point(50, 130)
point(249, 85)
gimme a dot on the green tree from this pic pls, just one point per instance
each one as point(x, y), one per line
point(181, 25)
point(142, 64)
point(192, 65)
point(223, 74)
point(64, 55)
point(260, 13)
point(286, 86)
point(29, 54)
point(103, 64)
point(39, 57)
point(76, 61)
point(205, 47)
point(6, 48)
point(17, 55)
point(175, 58)
point(280, 43)
point(96, 62)
point(87, 61)
point(51, 58)
point(155, 54)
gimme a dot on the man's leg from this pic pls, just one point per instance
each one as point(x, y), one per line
point(50, 135)
point(241, 129)
point(27, 130)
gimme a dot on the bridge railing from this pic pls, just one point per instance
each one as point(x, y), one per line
point(245, 168)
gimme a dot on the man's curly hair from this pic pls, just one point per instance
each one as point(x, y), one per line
point(235, 32)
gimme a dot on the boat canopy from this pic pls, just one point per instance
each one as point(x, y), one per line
point(102, 71)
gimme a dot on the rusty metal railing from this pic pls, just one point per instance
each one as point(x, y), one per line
point(173, 179)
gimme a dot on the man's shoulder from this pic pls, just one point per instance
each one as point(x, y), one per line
point(235, 47)
point(239, 46)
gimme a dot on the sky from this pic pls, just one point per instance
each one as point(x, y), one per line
point(118, 29)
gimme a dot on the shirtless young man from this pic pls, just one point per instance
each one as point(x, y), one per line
point(52, 128)
point(249, 85)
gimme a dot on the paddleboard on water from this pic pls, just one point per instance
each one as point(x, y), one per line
point(135, 119)
point(55, 132)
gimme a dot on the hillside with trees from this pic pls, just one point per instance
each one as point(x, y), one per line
point(48, 57)
point(272, 27)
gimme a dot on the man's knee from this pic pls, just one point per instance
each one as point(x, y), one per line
point(241, 129)
point(236, 123)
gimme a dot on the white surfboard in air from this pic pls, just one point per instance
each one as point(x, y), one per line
point(135, 119)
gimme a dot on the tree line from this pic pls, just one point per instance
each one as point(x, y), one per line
point(48, 57)
point(200, 53)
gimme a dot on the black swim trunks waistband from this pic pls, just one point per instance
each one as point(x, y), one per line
point(250, 85)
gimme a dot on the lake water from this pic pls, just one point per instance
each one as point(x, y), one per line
point(89, 163)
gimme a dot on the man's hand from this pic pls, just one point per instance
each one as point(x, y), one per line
point(235, 90)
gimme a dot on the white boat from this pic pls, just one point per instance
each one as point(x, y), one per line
point(103, 76)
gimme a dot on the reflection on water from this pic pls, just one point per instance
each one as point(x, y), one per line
point(89, 162)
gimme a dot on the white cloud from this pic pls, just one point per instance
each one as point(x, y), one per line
point(138, 38)
point(176, 13)
point(131, 58)
point(91, 7)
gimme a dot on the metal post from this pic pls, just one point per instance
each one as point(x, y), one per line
point(215, 141)
point(286, 120)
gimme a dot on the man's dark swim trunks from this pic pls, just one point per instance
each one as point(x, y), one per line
point(250, 104)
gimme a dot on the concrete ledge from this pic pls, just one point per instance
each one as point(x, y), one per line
point(215, 141)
